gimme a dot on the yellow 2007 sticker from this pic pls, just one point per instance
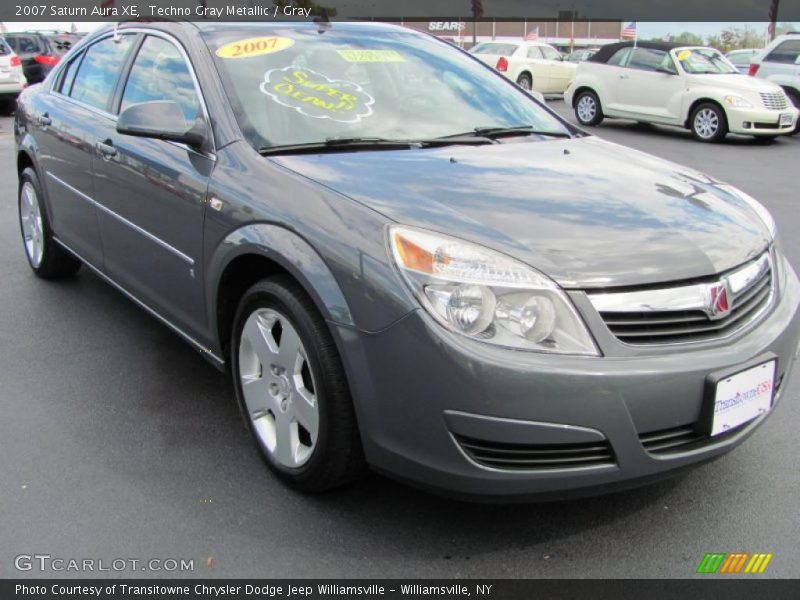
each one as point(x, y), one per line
point(255, 46)
point(371, 56)
point(684, 54)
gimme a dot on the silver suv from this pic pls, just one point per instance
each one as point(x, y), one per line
point(779, 63)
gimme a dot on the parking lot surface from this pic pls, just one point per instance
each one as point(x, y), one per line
point(119, 441)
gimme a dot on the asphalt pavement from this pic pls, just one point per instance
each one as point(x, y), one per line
point(118, 441)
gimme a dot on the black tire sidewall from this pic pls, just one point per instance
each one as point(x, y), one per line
point(284, 296)
point(722, 131)
point(528, 78)
point(598, 115)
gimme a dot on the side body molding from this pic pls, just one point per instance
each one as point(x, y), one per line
point(291, 252)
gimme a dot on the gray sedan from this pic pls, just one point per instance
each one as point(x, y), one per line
point(404, 260)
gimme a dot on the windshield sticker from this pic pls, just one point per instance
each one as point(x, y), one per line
point(255, 46)
point(316, 95)
point(371, 56)
point(684, 54)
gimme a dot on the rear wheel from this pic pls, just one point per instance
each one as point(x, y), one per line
point(708, 123)
point(587, 108)
point(291, 388)
point(47, 259)
point(525, 81)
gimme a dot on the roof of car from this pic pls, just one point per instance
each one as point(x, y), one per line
point(609, 50)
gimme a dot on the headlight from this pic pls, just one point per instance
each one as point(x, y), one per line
point(737, 101)
point(488, 296)
point(757, 207)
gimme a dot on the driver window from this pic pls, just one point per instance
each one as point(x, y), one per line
point(161, 73)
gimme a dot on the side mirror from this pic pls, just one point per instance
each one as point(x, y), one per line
point(161, 120)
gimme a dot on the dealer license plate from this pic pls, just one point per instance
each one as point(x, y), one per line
point(743, 397)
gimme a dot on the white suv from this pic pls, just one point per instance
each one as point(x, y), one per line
point(533, 65)
point(11, 78)
point(779, 63)
point(693, 87)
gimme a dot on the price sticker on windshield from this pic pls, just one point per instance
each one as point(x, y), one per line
point(256, 46)
point(371, 56)
point(684, 54)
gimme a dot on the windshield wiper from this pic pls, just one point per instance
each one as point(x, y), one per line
point(334, 144)
point(498, 132)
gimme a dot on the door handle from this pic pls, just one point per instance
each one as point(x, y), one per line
point(106, 149)
point(45, 120)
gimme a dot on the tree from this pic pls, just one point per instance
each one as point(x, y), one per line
point(688, 38)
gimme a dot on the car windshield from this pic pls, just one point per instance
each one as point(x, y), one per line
point(697, 61)
point(294, 85)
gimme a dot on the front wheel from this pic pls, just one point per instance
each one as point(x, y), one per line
point(292, 389)
point(46, 258)
point(587, 108)
point(708, 123)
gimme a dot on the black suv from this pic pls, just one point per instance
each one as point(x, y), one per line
point(40, 51)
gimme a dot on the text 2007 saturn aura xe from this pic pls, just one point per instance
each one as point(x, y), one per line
point(406, 261)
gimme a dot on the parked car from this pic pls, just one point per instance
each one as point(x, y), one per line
point(12, 80)
point(533, 65)
point(39, 52)
point(780, 63)
point(579, 56)
point(671, 84)
point(444, 280)
point(741, 59)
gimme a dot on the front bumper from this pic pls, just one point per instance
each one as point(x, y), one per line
point(759, 121)
point(422, 393)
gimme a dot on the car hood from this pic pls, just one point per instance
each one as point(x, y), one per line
point(588, 213)
point(735, 82)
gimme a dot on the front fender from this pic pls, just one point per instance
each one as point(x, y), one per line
point(293, 254)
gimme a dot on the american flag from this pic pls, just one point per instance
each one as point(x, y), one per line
point(533, 34)
point(477, 9)
point(629, 31)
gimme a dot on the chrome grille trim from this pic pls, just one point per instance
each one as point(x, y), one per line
point(774, 100)
point(685, 314)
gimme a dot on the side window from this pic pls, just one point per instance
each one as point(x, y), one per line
point(161, 73)
point(534, 52)
point(785, 52)
point(68, 75)
point(550, 53)
point(647, 59)
point(620, 57)
point(98, 72)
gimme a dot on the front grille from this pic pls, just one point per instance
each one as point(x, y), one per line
point(681, 439)
point(664, 327)
point(774, 100)
point(527, 457)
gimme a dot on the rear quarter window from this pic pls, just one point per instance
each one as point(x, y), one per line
point(785, 52)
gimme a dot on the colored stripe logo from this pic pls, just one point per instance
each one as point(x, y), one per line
point(735, 562)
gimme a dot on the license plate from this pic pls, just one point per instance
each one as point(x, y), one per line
point(786, 120)
point(743, 397)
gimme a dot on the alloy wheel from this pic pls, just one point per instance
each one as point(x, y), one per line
point(587, 108)
point(32, 229)
point(706, 123)
point(278, 388)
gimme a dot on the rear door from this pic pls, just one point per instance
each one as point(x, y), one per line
point(534, 62)
point(152, 193)
point(67, 121)
point(560, 72)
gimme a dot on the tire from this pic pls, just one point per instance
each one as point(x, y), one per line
point(525, 81)
point(587, 108)
point(708, 123)
point(47, 259)
point(286, 369)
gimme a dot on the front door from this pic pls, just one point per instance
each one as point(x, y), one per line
point(652, 89)
point(152, 193)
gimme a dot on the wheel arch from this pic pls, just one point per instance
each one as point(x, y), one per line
point(260, 250)
point(584, 88)
point(687, 123)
